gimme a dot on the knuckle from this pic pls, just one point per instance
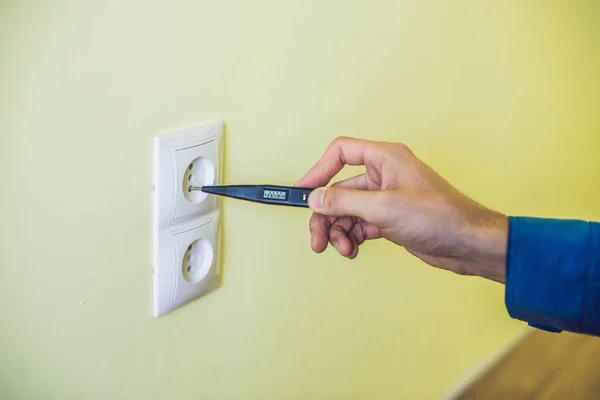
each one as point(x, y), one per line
point(336, 231)
point(387, 149)
point(341, 139)
point(396, 152)
point(402, 149)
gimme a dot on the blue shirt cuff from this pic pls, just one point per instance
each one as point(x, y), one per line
point(552, 274)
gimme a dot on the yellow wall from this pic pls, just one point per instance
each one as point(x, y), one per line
point(502, 99)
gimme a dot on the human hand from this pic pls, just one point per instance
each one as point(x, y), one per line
point(401, 199)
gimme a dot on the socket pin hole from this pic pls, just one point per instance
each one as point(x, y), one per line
point(202, 253)
point(204, 174)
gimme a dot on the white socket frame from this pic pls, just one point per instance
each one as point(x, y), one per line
point(177, 222)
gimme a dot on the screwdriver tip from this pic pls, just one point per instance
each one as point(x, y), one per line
point(193, 188)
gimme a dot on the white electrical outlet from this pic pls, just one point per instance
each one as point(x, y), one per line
point(186, 262)
point(183, 158)
point(186, 223)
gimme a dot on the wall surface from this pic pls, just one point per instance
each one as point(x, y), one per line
point(503, 99)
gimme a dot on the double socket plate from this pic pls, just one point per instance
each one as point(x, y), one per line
point(186, 224)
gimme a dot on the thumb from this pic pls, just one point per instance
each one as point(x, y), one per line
point(340, 201)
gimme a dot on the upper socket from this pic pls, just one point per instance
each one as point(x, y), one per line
point(183, 158)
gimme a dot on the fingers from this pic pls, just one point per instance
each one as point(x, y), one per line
point(340, 152)
point(339, 236)
point(364, 231)
point(360, 232)
point(340, 201)
point(337, 207)
point(356, 182)
point(346, 234)
point(320, 224)
point(319, 232)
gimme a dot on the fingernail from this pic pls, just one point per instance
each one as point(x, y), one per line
point(315, 200)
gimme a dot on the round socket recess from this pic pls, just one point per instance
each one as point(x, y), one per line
point(197, 260)
point(200, 172)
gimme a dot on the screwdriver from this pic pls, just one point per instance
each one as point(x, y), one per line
point(265, 194)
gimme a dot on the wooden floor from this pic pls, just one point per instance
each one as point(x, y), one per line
point(544, 366)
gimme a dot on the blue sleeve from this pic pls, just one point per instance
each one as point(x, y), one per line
point(553, 274)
